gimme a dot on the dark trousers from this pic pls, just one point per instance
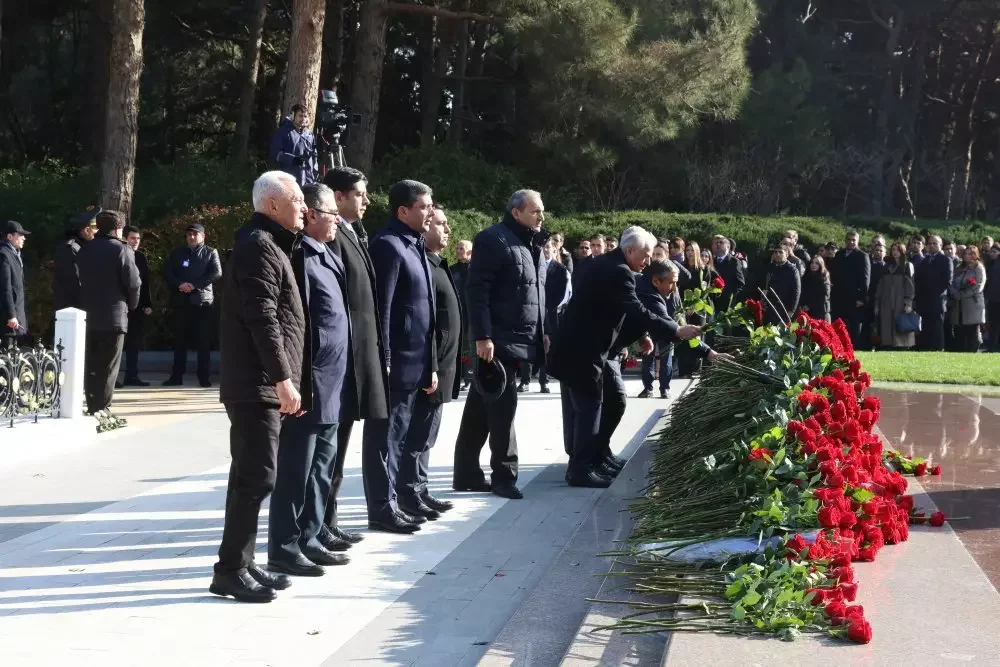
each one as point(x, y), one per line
point(993, 317)
point(414, 464)
point(581, 425)
point(967, 338)
point(382, 446)
point(952, 336)
point(254, 433)
point(493, 420)
point(133, 343)
point(192, 327)
point(931, 336)
point(612, 408)
point(854, 319)
point(102, 358)
point(543, 375)
point(343, 438)
point(306, 456)
point(665, 361)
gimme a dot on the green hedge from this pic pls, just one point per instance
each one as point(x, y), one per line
point(217, 196)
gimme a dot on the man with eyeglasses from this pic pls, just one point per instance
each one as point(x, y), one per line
point(405, 289)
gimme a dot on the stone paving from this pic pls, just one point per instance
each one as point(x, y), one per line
point(106, 551)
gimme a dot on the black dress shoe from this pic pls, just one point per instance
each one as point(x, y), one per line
point(205, 383)
point(241, 586)
point(419, 509)
point(415, 519)
point(322, 556)
point(507, 491)
point(347, 535)
point(605, 469)
point(616, 461)
point(135, 382)
point(437, 503)
point(333, 543)
point(300, 566)
point(481, 486)
point(645, 393)
point(591, 480)
point(173, 382)
point(278, 582)
point(119, 384)
point(545, 389)
point(521, 388)
point(393, 524)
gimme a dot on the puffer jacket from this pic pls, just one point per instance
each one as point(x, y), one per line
point(505, 290)
point(262, 323)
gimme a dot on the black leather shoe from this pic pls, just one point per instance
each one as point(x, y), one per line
point(241, 586)
point(300, 566)
point(347, 535)
point(591, 480)
point(545, 389)
point(333, 543)
point(393, 524)
point(205, 383)
point(507, 491)
point(415, 519)
point(323, 556)
point(481, 486)
point(119, 384)
point(605, 470)
point(645, 393)
point(278, 582)
point(135, 382)
point(419, 509)
point(521, 388)
point(616, 461)
point(437, 503)
point(173, 382)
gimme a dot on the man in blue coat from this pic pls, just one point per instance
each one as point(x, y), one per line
point(307, 447)
point(406, 297)
point(932, 280)
point(293, 147)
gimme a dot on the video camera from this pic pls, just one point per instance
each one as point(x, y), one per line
point(331, 123)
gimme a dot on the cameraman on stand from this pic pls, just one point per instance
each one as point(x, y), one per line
point(331, 123)
point(293, 147)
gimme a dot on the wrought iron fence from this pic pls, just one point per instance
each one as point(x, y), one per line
point(30, 383)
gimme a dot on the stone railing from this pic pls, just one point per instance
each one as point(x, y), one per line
point(31, 379)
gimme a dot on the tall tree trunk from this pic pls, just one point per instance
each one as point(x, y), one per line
point(366, 84)
point(894, 26)
point(99, 73)
point(122, 126)
point(305, 54)
point(459, 108)
point(249, 67)
point(433, 82)
point(333, 44)
point(984, 60)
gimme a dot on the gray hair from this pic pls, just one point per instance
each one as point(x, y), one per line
point(270, 185)
point(637, 237)
point(520, 199)
point(316, 193)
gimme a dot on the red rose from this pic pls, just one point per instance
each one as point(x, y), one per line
point(859, 631)
point(867, 553)
point(850, 591)
point(829, 517)
point(842, 574)
point(854, 611)
point(936, 470)
point(719, 283)
point(795, 545)
point(920, 470)
point(970, 281)
point(818, 595)
point(937, 519)
point(835, 610)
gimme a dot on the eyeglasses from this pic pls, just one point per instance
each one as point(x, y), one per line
point(319, 210)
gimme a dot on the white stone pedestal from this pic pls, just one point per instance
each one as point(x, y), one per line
point(71, 332)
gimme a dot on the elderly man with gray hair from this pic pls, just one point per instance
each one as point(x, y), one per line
point(505, 294)
point(263, 345)
point(602, 303)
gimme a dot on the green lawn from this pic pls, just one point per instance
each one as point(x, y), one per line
point(933, 367)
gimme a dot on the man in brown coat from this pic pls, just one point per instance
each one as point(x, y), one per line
point(263, 346)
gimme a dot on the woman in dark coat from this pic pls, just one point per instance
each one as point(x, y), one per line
point(702, 275)
point(815, 300)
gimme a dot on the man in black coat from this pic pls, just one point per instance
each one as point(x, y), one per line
point(109, 290)
point(263, 336)
point(406, 296)
point(783, 278)
point(449, 321)
point(190, 271)
point(13, 314)
point(603, 302)
point(931, 282)
point(558, 291)
point(506, 299)
point(730, 269)
point(368, 365)
point(460, 273)
point(137, 317)
point(878, 264)
point(850, 277)
point(308, 442)
point(66, 278)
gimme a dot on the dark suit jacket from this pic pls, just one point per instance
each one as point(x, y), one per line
point(320, 277)
point(141, 263)
point(367, 351)
point(66, 278)
point(11, 290)
point(931, 283)
point(730, 270)
point(850, 276)
point(556, 278)
point(199, 266)
point(605, 298)
point(406, 296)
point(786, 282)
point(109, 283)
point(449, 330)
point(651, 298)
